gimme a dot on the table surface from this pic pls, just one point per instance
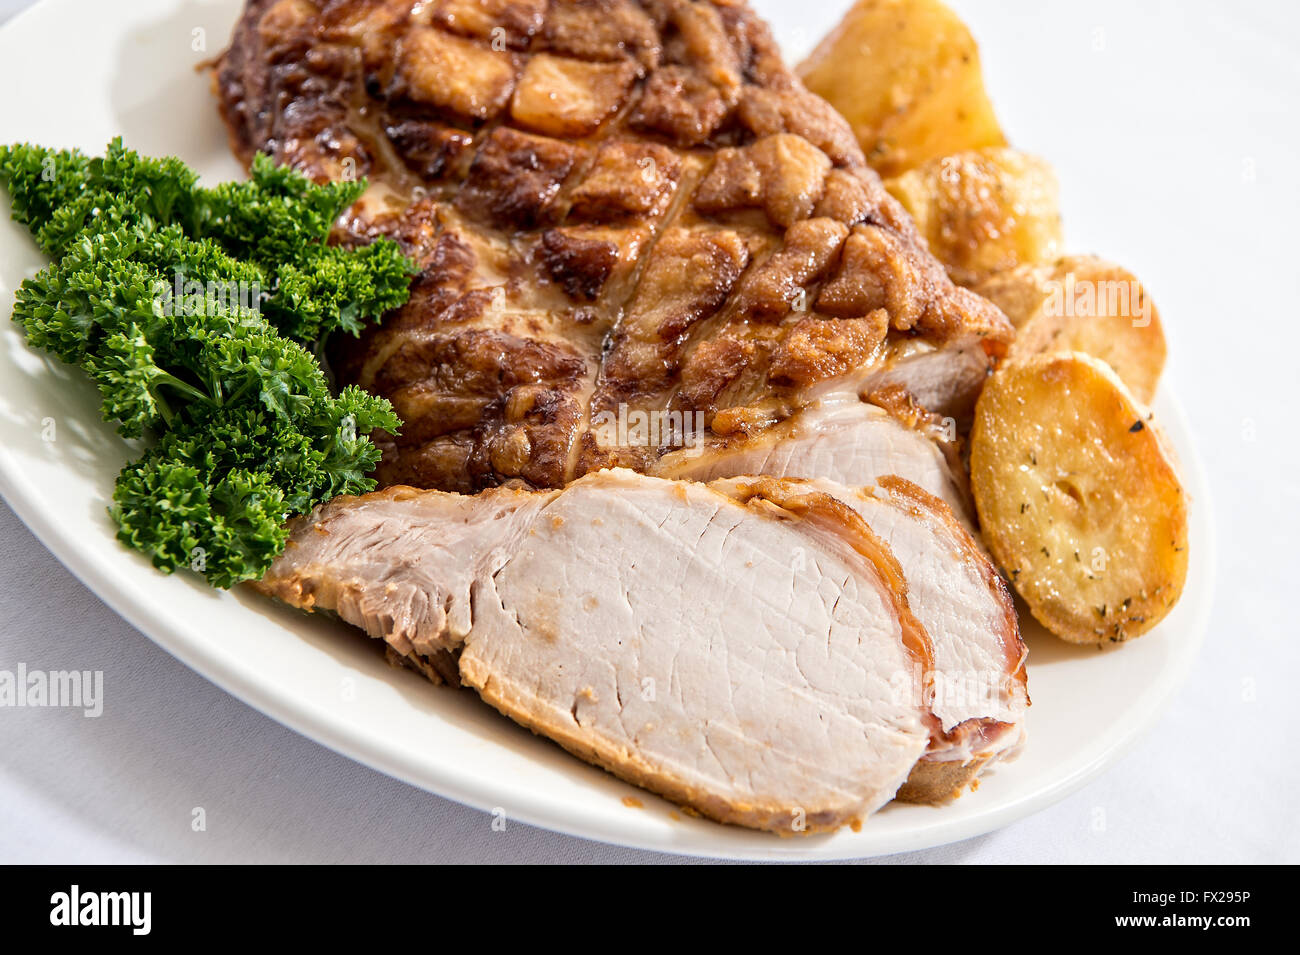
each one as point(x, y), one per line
point(1212, 99)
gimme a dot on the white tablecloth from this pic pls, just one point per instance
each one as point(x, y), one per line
point(1204, 210)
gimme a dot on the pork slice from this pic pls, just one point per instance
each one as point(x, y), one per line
point(958, 595)
point(744, 649)
point(402, 564)
point(839, 439)
point(945, 381)
point(977, 688)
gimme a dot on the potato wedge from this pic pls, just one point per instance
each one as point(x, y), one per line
point(1084, 304)
point(983, 211)
point(1078, 498)
point(906, 75)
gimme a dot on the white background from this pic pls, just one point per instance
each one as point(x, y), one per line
point(1173, 127)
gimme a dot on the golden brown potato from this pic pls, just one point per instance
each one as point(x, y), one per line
point(984, 210)
point(906, 75)
point(1019, 292)
point(1078, 498)
point(1084, 304)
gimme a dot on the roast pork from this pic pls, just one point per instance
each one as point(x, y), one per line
point(750, 648)
point(643, 245)
point(619, 208)
point(745, 649)
point(847, 442)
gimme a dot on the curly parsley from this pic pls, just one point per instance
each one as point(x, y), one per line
point(194, 310)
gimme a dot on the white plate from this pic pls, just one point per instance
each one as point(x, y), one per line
point(76, 73)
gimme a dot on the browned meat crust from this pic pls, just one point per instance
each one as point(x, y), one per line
point(932, 783)
point(614, 204)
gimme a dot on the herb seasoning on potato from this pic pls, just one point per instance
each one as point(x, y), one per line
point(1079, 498)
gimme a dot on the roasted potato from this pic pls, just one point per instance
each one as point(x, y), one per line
point(1084, 304)
point(906, 75)
point(983, 211)
point(1078, 497)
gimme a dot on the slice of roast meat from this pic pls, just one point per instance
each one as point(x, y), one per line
point(745, 649)
point(977, 687)
point(618, 207)
point(848, 442)
point(958, 595)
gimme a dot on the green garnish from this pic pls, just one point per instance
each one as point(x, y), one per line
point(194, 311)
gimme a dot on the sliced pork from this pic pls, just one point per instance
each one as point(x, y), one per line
point(977, 688)
point(745, 649)
point(842, 440)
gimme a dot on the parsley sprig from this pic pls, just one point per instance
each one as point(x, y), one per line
point(194, 310)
